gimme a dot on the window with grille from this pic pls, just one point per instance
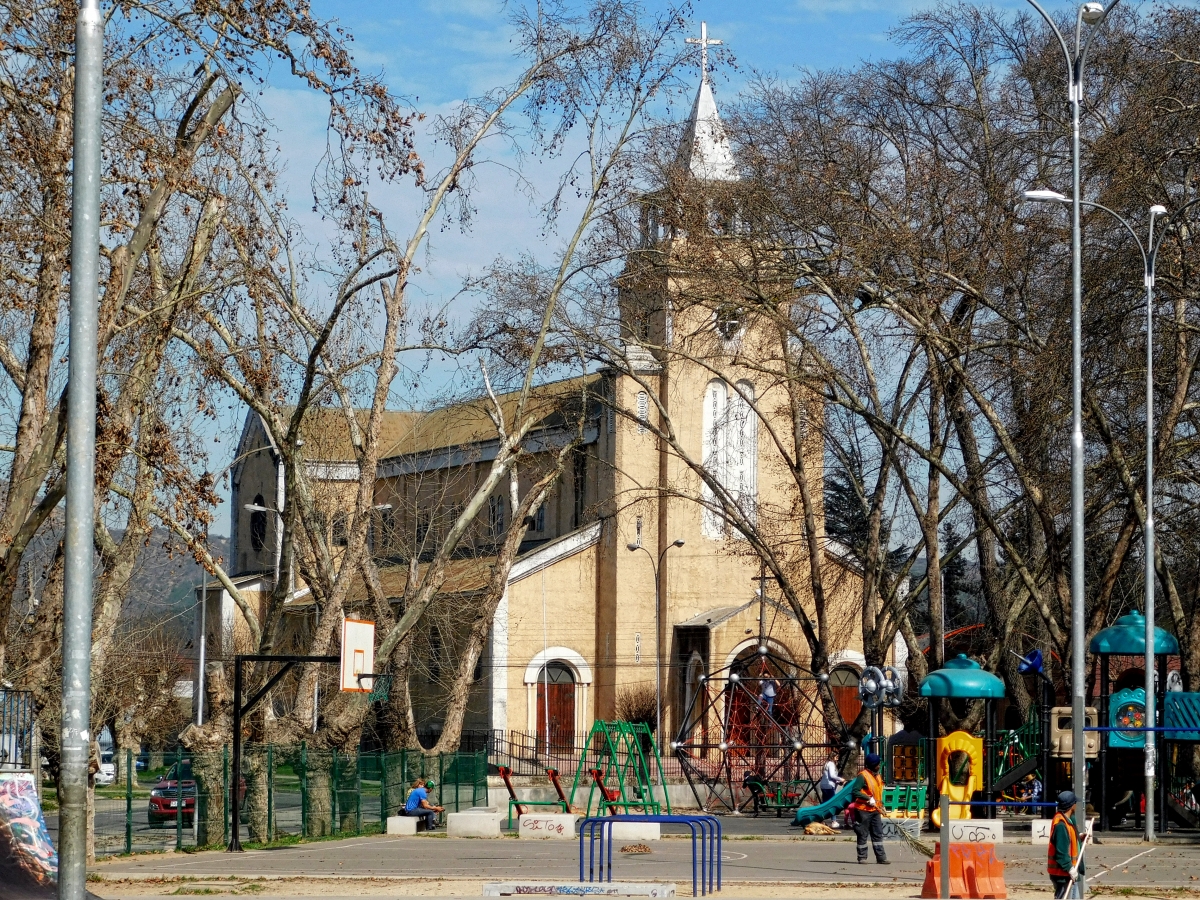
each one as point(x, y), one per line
point(643, 411)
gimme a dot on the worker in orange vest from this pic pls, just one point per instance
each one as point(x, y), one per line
point(1062, 858)
point(867, 806)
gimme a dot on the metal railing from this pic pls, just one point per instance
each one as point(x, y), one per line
point(16, 730)
point(530, 754)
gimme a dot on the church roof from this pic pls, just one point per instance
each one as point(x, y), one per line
point(705, 149)
point(326, 433)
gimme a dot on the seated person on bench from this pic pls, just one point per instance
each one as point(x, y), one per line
point(418, 803)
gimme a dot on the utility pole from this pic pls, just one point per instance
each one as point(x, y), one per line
point(76, 733)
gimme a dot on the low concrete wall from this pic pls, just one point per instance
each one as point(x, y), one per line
point(547, 826)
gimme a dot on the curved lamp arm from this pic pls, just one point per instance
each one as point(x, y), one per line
point(1137, 239)
point(1083, 51)
point(1062, 42)
point(1167, 220)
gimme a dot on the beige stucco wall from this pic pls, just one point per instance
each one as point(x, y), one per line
point(548, 609)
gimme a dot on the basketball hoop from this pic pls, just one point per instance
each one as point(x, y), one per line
point(358, 654)
point(380, 684)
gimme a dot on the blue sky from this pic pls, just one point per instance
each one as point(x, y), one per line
point(441, 50)
point(437, 52)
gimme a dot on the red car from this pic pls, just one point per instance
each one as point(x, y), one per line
point(168, 794)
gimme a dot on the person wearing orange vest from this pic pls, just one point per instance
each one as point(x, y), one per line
point(1063, 862)
point(867, 807)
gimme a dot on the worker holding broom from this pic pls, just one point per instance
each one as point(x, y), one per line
point(1064, 859)
point(867, 806)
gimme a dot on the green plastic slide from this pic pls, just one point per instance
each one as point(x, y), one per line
point(822, 811)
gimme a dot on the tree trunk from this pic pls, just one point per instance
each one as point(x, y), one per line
point(320, 798)
point(254, 771)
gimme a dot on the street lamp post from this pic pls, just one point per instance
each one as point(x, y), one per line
point(1090, 14)
point(1149, 251)
point(657, 565)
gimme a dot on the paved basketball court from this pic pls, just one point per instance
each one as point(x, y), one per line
point(391, 867)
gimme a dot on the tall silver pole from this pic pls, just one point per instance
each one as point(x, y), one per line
point(1078, 704)
point(202, 661)
point(81, 454)
point(658, 656)
point(1148, 537)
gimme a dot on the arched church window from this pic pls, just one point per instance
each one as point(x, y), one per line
point(728, 319)
point(258, 525)
point(714, 449)
point(643, 411)
point(743, 449)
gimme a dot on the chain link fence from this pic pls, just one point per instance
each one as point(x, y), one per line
point(180, 800)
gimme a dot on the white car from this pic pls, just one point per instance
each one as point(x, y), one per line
point(107, 773)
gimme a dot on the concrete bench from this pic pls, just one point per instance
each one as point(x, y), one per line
point(478, 822)
point(405, 825)
point(547, 826)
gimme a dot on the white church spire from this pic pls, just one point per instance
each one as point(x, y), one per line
point(705, 150)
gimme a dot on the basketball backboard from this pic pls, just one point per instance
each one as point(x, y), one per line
point(358, 654)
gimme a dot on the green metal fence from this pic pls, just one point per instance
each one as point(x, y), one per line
point(294, 791)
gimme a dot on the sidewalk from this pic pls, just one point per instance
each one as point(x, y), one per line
point(752, 866)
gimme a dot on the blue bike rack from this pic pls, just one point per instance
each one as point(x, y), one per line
point(598, 830)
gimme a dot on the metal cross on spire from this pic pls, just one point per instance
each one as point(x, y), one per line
point(705, 42)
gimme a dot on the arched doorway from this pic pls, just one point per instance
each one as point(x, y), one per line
point(843, 683)
point(556, 707)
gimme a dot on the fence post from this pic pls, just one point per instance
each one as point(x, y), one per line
point(178, 798)
point(270, 792)
point(303, 789)
point(225, 793)
point(358, 791)
point(383, 790)
point(335, 826)
point(442, 782)
point(129, 770)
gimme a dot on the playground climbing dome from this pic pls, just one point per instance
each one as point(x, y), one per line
point(755, 734)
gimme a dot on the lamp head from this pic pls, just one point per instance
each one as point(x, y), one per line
point(254, 507)
point(1092, 13)
point(633, 546)
point(1044, 195)
point(678, 542)
point(1158, 210)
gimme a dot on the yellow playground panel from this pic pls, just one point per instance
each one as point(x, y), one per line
point(959, 772)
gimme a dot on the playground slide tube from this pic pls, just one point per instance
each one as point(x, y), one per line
point(831, 807)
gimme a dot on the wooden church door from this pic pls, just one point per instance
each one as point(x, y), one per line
point(556, 708)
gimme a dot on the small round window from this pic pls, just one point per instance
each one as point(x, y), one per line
point(729, 321)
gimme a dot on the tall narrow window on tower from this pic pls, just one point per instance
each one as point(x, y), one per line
point(643, 411)
point(258, 526)
point(715, 447)
point(743, 442)
point(579, 484)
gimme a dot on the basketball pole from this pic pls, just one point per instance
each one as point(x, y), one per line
point(239, 710)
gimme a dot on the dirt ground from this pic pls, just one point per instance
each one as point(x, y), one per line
point(335, 888)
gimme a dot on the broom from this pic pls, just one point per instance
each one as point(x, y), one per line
point(916, 845)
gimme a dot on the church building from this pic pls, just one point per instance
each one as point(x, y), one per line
point(624, 584)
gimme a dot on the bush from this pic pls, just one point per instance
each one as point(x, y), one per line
point(637, 703)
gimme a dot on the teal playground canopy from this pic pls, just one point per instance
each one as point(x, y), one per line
point(962, 677)
point(1127, 637)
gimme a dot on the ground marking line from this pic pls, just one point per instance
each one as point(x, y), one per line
point(1119, 865)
